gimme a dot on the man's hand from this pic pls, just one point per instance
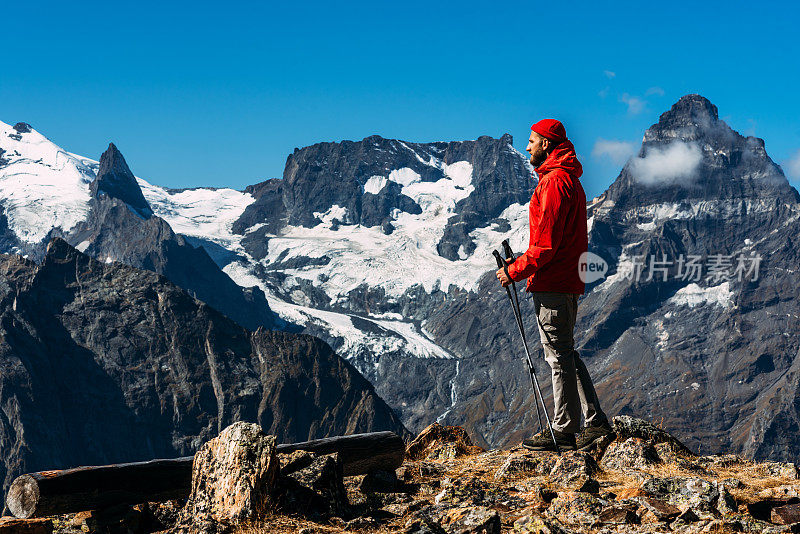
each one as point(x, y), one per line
point(502, 276)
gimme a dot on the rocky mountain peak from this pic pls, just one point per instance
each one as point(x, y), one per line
point(693, 107)
point(116, 180)
point(691, 154)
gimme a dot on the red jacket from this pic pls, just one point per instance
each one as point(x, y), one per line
point(558, 235)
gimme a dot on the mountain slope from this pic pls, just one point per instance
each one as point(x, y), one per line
point(104, 363)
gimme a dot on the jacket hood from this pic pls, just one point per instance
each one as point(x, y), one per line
point(562, 157)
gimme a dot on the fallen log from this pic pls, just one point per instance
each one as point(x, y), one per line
point(78, 489)
point(359, 453)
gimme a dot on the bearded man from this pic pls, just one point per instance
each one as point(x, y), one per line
point(558, 238)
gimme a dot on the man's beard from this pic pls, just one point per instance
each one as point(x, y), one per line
point(537, 158)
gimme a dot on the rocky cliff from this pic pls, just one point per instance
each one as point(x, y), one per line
point(104, 363)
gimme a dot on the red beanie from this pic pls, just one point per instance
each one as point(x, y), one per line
point(551, 129)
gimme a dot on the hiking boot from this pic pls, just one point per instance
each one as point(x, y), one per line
point(543, 441)
point(592, 436)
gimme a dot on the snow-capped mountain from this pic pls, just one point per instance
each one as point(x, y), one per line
point(99, 208)
point(383, 249)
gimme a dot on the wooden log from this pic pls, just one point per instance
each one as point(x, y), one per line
point(65, 491)
point(359, 453)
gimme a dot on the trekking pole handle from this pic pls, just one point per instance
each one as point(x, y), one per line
point(507, 250)
point(500, 262)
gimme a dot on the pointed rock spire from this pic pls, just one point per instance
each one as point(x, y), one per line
point(116, 180)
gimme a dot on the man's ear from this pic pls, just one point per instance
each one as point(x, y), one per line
point(547, 144)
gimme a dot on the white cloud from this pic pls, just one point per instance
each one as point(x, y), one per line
point(604, 92)
point(635, 104)
point(617, 151)
point(793, 166)
point(609, 73)
point(654, 91)
point(677, 162)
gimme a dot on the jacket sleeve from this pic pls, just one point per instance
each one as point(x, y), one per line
point(546, 238)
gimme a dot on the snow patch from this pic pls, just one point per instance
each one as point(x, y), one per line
point(694, 295)
point(375, 184)
point(202, 213)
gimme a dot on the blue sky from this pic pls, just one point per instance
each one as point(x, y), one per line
point(201, 93)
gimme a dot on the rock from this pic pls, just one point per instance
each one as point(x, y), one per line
point(576, 508)
point(763, 509)
point(726, 504)
point(380, 482)
point(686, 517)
point(472, 520)
point(10, 525)
point(538, 464)
point(472, 491)
point(424, 521)
point(793, 528)
point(441, 442)
point(778, 492)
point(659, 509)
point(294, 461)
point(317, 490)
point(630, 453)
point(696, 492)
point(430, 470)
point(574, 470)
point(667, 453)
point(121, 518)
point(723, 525)
point(233, 477)
point(166, 515)
point(786, 515)
point(626, 427)
point(403, 473)
point(617, 515)
point(405, 508)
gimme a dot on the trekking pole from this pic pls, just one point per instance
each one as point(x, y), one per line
point(535, 382)
point(521, 326)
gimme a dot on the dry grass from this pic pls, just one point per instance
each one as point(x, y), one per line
point(525, 486)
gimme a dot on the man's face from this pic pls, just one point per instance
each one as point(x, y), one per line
point(536, 148)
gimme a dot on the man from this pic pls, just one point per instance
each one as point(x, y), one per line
point(558, 237)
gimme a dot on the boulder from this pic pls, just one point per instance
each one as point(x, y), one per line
point(617, 515)
point(658, 509)
point(626, 427)
point(786, 515)
point(632, 453)
point(692, 492)
point(533, 463)
point(577, 508)
point(315, 490)
point(441, 442)
point(233, 477)
point(575, 470)
point(380, 482)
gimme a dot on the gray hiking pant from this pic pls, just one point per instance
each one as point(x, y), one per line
point(573, 391)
